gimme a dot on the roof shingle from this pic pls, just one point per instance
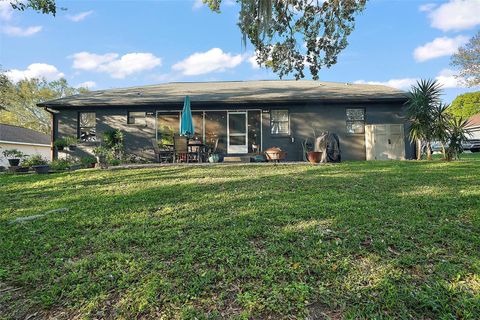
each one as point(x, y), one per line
point(231, 92)
point(23, 135)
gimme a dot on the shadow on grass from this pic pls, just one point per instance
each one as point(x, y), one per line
point(366, 240)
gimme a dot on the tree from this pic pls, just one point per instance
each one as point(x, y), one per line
point(424, 109)
point(465, 105)
point(43, 6)
point(20, 101)
point(467, 59)
point(291, 35)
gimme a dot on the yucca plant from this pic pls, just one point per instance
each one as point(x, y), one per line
point(457, 134)
point(422, 110)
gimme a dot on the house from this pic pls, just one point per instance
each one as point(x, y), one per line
point(242, 117)
point(25, 140)
point(473, 128)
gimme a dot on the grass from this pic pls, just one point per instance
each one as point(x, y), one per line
point(348, 241)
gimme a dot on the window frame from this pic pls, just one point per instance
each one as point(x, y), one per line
point(349, 121)
point(272, 122)
point(79, 127)
point(137, 124)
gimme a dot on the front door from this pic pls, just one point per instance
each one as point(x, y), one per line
point(237, 132)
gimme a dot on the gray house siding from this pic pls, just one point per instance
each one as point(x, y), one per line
point(303, 116)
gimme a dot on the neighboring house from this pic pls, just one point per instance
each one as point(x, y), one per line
point(473, 128)
point(26, 140)
point(242, 117)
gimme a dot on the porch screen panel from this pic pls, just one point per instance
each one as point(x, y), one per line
point(198, 125)
point(168, 124)
point(254, 131)
point(216, 128)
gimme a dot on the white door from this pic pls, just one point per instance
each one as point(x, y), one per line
point(237, 132)
point(385, 142)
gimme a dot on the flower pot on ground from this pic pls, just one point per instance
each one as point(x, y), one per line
point(41, 169)
point(214, 158)
point(88, 162)
point(13, 162)
point(13, 156)
point(314, 156)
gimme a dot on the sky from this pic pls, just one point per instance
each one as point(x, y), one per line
point(103, 44)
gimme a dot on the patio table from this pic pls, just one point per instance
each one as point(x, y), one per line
point(194, 146)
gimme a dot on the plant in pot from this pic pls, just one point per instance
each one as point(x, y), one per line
point(60, 144)
point(102, 154)
point(13, 156)
point(71, 142)
point(37, 163)
point(309, 149)
point(88, 161)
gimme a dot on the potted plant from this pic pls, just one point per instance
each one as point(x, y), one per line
point(309, 150)
point(101, 153)
point(88, 161)
point(71, 142)
point(13, 156)
point(60, 144)
point(37, 163)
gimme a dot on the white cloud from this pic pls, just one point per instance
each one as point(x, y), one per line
point(35, 70)
point(439, 47)
point(253, 62)
point(86, 84)
point(197, 4)
point(213, 60)
point(456, 15)
point(116, 67)
point(80, 16)
point(428, 7)
point(447, 79)
point(19, 31)
point(5, 11)
point(404, 83)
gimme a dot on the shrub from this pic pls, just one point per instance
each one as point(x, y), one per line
point(13, 154)
point(60, 143)
point(71, 141)
point(87, 161)
point(34, 160)
point(60, 164)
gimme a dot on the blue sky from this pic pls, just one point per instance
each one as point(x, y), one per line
point(107, 44)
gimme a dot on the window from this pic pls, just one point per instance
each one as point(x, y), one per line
point(86, 126)
point(355, 121)
point(138, 118)
point(279, 122)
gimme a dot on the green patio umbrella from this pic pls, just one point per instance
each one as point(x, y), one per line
point(186, 123)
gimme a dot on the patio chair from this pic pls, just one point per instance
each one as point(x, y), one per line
point(162, 154)
point(180, 149)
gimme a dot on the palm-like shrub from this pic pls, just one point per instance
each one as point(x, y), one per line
point(456, 135)
point(425, 111)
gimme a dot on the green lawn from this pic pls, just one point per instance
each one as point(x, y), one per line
point(348, 241)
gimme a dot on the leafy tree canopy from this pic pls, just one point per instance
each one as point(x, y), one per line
point(291, 35)
point(465, 105)
point(19, 100)
point(467, 60)
point(43, 6)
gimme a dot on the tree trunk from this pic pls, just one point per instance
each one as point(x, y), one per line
point(419, 149)
point(443, 152)
point(429, 151)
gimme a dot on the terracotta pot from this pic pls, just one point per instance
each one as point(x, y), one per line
point(275, 154)
point(314, 156)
